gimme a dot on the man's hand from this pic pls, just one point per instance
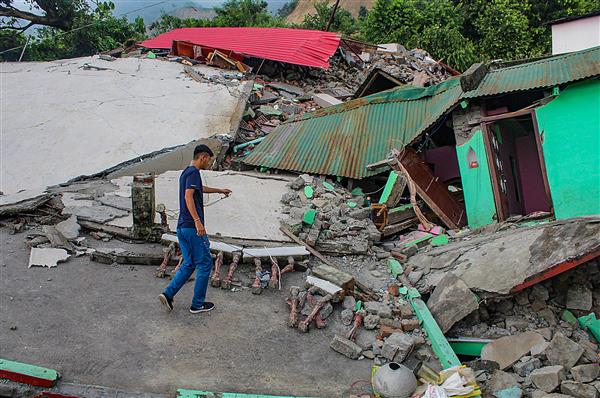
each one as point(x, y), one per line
point(225, 192)
point(199, 228)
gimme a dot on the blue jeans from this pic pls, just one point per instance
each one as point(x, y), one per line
point(195, 251)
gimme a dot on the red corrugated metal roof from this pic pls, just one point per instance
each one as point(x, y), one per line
point(294, 46)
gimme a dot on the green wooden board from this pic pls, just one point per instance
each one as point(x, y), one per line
point(29, 370)
point(328, 186)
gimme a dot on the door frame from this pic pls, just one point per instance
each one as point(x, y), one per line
point(486, 122)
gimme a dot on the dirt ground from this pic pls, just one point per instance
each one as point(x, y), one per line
point(103, 325)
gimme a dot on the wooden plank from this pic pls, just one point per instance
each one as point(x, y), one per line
point(395, 228)
point(432, 191)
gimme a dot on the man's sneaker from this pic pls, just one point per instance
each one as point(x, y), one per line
point(205, 308)
point(167, 302)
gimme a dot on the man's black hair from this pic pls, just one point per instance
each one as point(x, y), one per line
point(202, 149)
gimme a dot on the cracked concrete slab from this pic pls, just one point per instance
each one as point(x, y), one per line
point(253, 211)
point(500, 262)
point(102, 118)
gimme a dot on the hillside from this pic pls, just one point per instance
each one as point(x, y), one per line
point(194, 13)
point(306, 7)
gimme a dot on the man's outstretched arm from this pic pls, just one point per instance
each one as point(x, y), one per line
point(224, 191)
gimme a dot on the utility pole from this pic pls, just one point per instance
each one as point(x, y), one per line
point(337, 3)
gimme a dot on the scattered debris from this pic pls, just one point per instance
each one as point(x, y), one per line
point(47, 257)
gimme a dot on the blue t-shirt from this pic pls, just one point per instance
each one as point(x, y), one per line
point(190, 179)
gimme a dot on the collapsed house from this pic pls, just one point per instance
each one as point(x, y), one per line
point(499, 136)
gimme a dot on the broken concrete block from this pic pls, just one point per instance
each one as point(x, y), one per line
point(347, 317)
point(509, 349)
point(346, 347)
point(410, 324)
point(326, 311)
point(378, 308)
point(69, 228)
point(324, 100)
point(548, 378)
point(397, 347)
point(524, 368)
point(349, 303)
point(371, 322)
point(324, 287)
point(563, 351)
point(585, 373)
point(47, 257)
point(539, 292)
point(451, 301)
point(335, 276)
point(579, 297)
point(578, 390)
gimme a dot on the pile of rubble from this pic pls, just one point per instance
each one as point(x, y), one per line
point(540, 344)
point(330, 218)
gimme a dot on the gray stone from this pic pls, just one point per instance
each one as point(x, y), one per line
point(451, 301)
point(539, 292)
point(563, 351)
point(515, 321)
point(546, 332)
point(298, 183)
point(346, 347)
point(585, 373)
point(378, 308)
point(347, 317)
point(289, 197)
point(69, 228)
point(368, 354)
point(383, 255)
point(349, 303)
point(505, 306)
point(415, 276)
point(578, 390)
point(502, 380)
point(579, 297)
point(371, 322)
point(397, 347)
point(360, 214)
point(326, 311)
point(548, 378)
point(522, 298)
point(509, 349)
point(524, 368)
point(549, 316)
point(539, 350)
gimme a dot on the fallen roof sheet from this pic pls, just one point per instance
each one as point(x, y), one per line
point(294, 46)
point(342, 140)
point(88, 121)
point(547, 72)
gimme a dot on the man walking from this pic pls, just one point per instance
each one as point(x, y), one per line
point(193, 241)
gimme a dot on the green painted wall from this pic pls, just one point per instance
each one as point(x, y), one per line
point(477, 183)
point(570, 129)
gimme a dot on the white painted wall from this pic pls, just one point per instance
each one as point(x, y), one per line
point(576, 35)
point(59, 121)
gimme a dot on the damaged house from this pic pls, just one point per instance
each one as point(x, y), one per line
point(513, 139)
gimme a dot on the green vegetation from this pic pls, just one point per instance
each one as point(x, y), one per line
point(460, 32)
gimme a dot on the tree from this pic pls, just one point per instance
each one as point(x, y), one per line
point(54, 13)
point(244, 13)
point(90, 32)
point(342, 22)
point(434, 25)
point(287, 8)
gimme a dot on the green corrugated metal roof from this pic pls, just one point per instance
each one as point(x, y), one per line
point(548, 72)
point(342, 140)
